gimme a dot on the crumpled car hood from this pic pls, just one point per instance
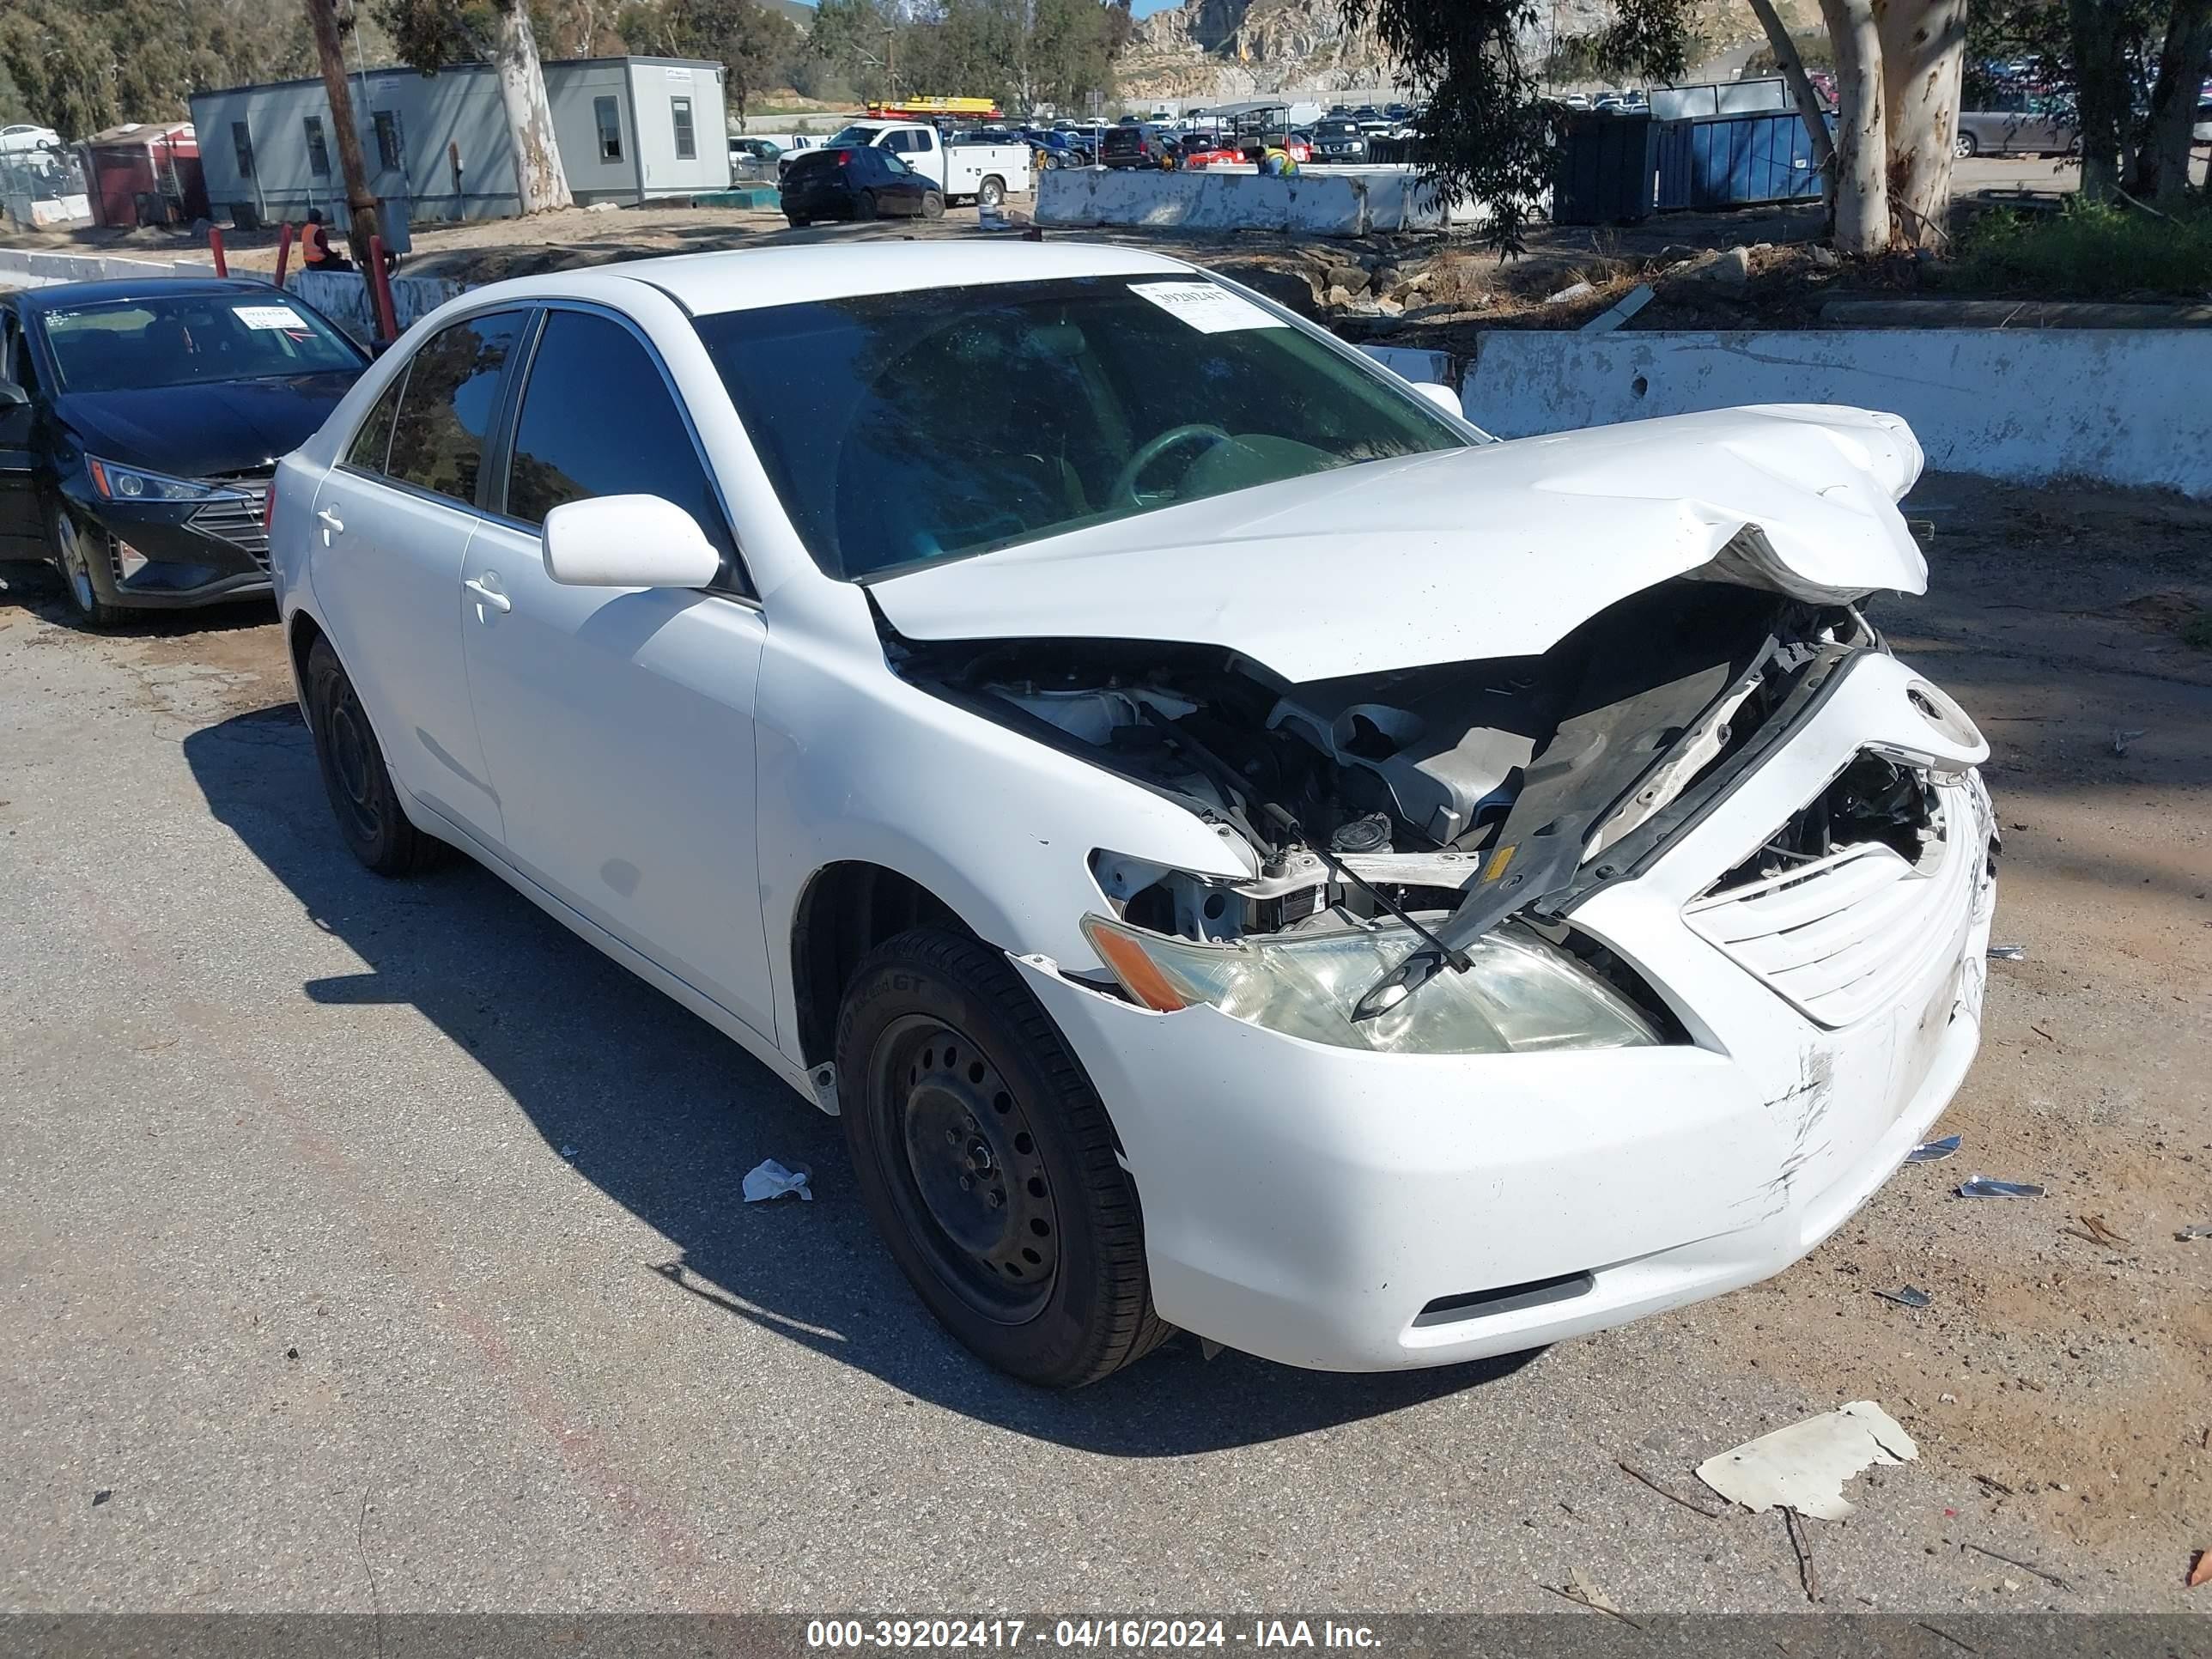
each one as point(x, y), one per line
point(1495, 551)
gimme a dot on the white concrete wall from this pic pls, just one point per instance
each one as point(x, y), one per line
point(1318, 201)
point(343, 296)
point(2121, 406)
point(21, 268)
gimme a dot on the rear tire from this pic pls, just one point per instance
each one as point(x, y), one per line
point(986, 1160)
point(73, 552)
point(797, 223)
point(374, 824)
point(990, 193)
point(932, 205)
point(863, 205)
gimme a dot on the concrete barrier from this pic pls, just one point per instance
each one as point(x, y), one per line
point(1334, 201)
point(343, 296)
point(22, 268)
point(2120, 406)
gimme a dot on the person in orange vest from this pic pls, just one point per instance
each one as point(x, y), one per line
point(315, 250)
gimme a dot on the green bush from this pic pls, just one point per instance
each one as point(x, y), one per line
point(2088, 251)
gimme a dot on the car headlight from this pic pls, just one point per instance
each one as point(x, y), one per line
point(1520, 995)
point(118, 482)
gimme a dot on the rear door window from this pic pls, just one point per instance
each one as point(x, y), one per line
point(450, 400)
point(597, 418)
point(372, 443)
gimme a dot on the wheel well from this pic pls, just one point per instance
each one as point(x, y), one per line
point(847, 910)
point(305, 632)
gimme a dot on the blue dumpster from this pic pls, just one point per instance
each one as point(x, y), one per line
point(1601, 171)
point(1735, 160)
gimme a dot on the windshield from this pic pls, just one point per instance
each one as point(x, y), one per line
point(862, 136)
point(1337, 129)
point(129, 345)
point(904, 428)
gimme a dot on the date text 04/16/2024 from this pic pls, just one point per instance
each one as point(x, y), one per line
point(1111, 1633)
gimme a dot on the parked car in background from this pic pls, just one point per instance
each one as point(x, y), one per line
point(883, 651)
point(1199, 150)
point(1141, 146)
point(752, 160)
point(1338, 140)
point(1049, 148)
point(25, 137)
point(962, 169)
point(2013, 121)
point(857, 181)
point(139, 425)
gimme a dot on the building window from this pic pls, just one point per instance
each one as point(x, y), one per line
point(687, 146)
point(608, 113)
point(318, 153)
point(242, 142)
point(391, 147)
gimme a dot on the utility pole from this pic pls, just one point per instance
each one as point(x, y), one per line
point(360, 201)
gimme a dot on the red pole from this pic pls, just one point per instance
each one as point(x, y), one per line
point(283, 250)
point(380, 285)
point(215, 243)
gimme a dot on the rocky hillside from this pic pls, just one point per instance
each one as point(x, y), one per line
point(1230, 49)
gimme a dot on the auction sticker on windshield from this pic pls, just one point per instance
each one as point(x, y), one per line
point(268, 316)
point(1206, 306)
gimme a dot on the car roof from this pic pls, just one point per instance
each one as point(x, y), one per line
point(707, 284)
point(66, 296)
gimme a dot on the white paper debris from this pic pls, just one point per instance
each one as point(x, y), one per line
point(1206, 306)
point(771, 1180)
point(269, 316)
point(1803, 1467)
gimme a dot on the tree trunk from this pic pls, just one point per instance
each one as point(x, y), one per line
point(2101, 74)
point(2184, 62)
point(360, 200)
point(539, 175)
point(1809, 105)
point(1923, 53)
point(1862, 145)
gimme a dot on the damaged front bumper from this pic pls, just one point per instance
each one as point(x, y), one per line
point(1349, 1211)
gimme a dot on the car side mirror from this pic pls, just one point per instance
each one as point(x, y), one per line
point(628, 541)
point(1442, 396)
point(13, 395)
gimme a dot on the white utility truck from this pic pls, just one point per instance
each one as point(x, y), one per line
point(964, 171)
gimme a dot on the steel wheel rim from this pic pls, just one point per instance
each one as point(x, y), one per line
point(347, 741)
point(74, 570)
point(966, 1172)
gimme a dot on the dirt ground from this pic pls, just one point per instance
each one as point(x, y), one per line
point(2066, 1360)
point(2057, 1384)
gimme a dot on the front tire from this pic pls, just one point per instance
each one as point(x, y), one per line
point(1964, 146)
point(932, 205)
point(73, 553)
point(985, 1159)
point(374, 825)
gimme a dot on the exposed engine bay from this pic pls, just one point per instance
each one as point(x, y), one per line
point(1449, 797)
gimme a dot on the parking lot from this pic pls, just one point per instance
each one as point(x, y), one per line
point(380, 1245)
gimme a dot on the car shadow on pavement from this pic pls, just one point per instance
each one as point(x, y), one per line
point(664, 1115)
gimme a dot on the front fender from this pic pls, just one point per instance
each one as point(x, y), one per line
point(854, 764)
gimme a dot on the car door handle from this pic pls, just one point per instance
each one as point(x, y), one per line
point(491, 598)
point(337, 524)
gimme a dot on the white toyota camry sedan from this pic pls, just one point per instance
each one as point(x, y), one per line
point(1239, 848)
